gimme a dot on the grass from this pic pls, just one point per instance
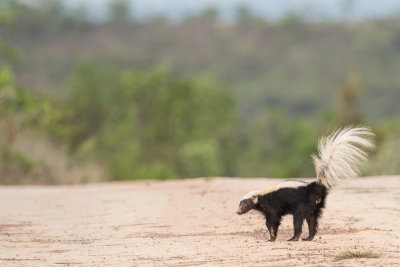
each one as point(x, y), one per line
point(355, 254)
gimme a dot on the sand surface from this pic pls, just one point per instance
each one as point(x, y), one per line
point(190, 223)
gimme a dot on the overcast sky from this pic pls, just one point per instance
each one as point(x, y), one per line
point(267, 8)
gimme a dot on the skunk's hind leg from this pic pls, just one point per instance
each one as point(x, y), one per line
point(312, 222)
point(297, 223)
point(312, 228)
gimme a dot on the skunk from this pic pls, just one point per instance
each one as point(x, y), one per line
point(339, 157)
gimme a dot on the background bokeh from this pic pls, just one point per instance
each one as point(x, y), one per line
point(123, 90)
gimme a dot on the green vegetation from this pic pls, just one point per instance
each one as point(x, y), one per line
point(355, 254)
point(16, 167)
point(149, 124)
point(146, 100)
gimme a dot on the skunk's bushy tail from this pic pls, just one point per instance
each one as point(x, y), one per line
point(340, 154)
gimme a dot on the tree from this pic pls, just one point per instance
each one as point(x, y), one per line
point(244, 15)
point(119, 11)
point(349, 94)
point(149, 124)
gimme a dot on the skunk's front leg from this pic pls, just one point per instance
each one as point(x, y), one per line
point(273, 223)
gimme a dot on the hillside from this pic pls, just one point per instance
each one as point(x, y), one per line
point(199, 97)
point(290, 65)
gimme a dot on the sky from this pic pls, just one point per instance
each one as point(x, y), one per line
point(271, 9)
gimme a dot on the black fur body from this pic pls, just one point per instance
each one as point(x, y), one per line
point(339, 157)
point(304, 203)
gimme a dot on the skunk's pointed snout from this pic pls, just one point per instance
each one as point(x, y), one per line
point(238, 212)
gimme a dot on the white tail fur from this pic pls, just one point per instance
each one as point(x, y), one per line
point(340, 155)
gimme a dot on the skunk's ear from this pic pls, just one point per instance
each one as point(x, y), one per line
point(254, 199)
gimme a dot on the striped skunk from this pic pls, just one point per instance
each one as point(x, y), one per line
point(339, 157)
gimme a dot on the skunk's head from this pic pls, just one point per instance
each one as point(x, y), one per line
point(248, 202)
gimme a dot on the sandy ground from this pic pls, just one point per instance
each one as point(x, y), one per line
point(188, 223)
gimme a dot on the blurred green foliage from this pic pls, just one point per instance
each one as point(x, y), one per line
point(144, 124)
point(287, 83)
point(291, 63)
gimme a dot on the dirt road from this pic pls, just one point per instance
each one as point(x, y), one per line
point(190, 222)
